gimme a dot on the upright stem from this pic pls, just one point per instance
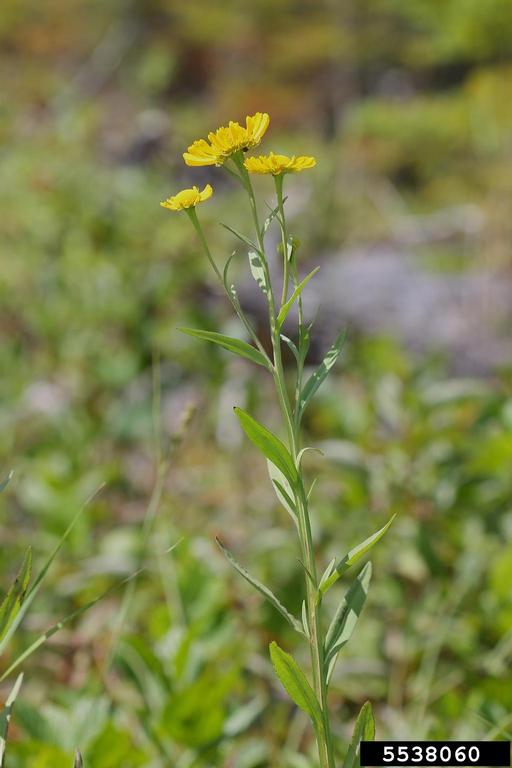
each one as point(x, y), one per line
point(316, 641)
point(292, 422)
point(316, 644)
point(278, 180)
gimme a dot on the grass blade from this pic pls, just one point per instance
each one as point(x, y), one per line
point(60, 624)
point(42, 573)
point(16, 594)
point(5, 717)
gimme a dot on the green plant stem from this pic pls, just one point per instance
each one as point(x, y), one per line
point(278, 181)
point(316, 643)
point(250, 330)
point(324, 739)
point(292, 422)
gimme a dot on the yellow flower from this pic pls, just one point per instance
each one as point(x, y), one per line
point(187, 198)
point(225, 141)
point(277, 164)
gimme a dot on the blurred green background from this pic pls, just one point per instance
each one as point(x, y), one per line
point(407, 107)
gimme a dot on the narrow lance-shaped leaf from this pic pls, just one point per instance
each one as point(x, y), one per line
point(345, 618)
point(240, 236)
point(296, 685)
point(352, 557)
point(5, 717)
point(364, 730)
point(272, 215)
point(285, 309)
point(12, 602)
point(258, 271)
point(262, 589)
point(238, 347)
point(283, 490)
point(316, 378)
point(79, 763)
point(270, 445)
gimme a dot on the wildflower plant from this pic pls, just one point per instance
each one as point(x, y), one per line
point(226, 147)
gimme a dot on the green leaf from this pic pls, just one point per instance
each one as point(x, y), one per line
point(225, 273)
point(345, 618)
point(40, 577)
point(283, 490)
point(296, 685)
point(79, 763)
point(352, 557)
point(272, 215)
point(364, 730)
point(283, 312)
point(258, 271)
point(236, 346)
point(5, 482)
point(60, 624)
point(241, 237)
point(316, 378)
point(13, 601)
point(269, 445)
point(262, 589)
point(289, 343)
point(5, 717)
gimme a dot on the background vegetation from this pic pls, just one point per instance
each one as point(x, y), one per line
point(407, 107)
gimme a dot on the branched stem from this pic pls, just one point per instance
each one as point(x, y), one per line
point(292, 417)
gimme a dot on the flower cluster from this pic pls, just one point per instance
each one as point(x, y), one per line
point(232, 141)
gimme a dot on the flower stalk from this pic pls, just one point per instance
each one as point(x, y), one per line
point(224, 146)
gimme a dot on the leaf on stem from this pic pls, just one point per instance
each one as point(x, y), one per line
point(270, 445)
point(316, 378)
point(272, 215)
point(238, 347)
point(283, 489)
point(364, 730)
point(296, 685)
point(345, 618)
point(285, 309)
point(13, 601)
point(5, 717)
point(258, 271)
point(262, 589)
point(289, 343)
point(240, 236)
point(352, 557)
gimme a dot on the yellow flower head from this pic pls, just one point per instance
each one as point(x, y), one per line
point(225, 141)
point(277, 164)
point(187, 198)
